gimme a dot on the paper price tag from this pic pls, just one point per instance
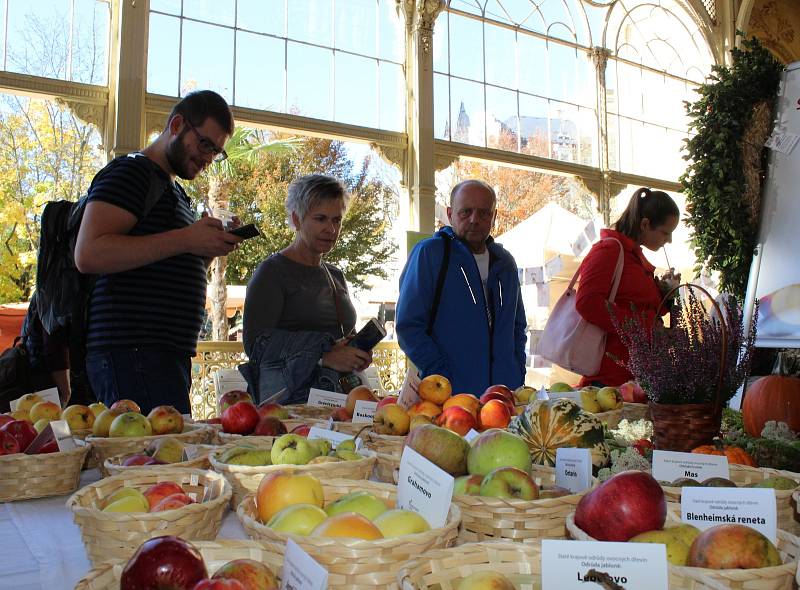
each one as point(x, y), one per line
point(364, 412)
point(568, 565)
point(58, 431)
point(48, 395)
point(327, 399)
point(191, 452)
point(753, 507)
point(573, 469)
point(331, 435)
point(301, 571)
point(542, 393)
point(471, 435)
point(669, 466)
point(573, 395)
point(424, 488)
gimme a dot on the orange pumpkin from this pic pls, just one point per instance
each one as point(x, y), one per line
point(734, 454)
point(773, 397)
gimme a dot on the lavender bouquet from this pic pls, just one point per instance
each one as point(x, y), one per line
point(685, 363)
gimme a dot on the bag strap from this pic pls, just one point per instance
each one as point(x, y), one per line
point(157, 185)
point(437, 295)
point(335, 298)
point(617, 272)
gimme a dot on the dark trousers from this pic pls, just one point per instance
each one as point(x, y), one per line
point(148, 377)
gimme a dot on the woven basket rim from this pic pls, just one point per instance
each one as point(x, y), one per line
point(111, 440)
point(675, 490)
point(23, 457)
point(453, 521)
point(73, 502)
point(218, 465)
point(115, 462)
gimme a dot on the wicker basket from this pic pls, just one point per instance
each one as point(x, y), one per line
point(244, 479)
point(105, 447)
point(114, 535)
point(682, 427)
point(306, 412)
point(113, 465)
point(526, 521)
point(23, 477)
point(444, 568)
point(351, 428)
point(384, 443)
point(779, 577)
point(215, 554)
point(387, 468)
point(355, 563)
point(632, 411)
point(743, 475)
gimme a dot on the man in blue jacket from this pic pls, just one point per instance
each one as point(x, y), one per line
point(477, 337)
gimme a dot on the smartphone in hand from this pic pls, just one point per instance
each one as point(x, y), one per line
point(368, 336)
point(245, 231)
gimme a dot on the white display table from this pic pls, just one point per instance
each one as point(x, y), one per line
point(41, 547)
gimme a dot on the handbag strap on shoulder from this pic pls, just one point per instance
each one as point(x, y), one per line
point(617, 272)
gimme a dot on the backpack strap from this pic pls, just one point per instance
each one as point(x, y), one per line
point(437, 296)
point(157, 184)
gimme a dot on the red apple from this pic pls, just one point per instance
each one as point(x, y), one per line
point(487, 397)
point(219, 584)
point(165, 420)
point(389, 399)
point(50, 446)
point(232, 397)
point(457, 419)
point(157, 492)
point(502, 390)
point(172, 502)
point(8, 444)
point(269, 426)
point(629, 503)
point(301, 429)
point(21, 430)
point(164, 563)
point(125, 405)
point(631, 392)
point(240, 418)
point(252, 574)
point(5, 419)
point(495, 413)
point(140, 459)
point(274, 410)
point(341, 415)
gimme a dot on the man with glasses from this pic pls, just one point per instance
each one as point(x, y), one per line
point(140, 235)
point(473, 332)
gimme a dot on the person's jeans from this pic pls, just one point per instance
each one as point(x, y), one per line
point(148, 377)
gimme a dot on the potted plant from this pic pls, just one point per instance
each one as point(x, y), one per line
point(690, 369)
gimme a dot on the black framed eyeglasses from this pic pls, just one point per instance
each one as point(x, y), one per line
point(207, 146)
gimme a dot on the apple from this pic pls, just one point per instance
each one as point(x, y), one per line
point(301, 430)
point(391, 419)
point(274, 410)
point(22, 431)
point(23, 415)
point(128, 491)
point(341, 415)
point(293, 449)
point(130, 424)
point(435, 389)
point(419, 420)
point(50, 446)
point(252, 574)
point(424, 408)
point(297, 519)
point(102, 423)
point(502, 390)
point(219, 584)
point(157, 492)
point(126, 405)
point(389, 399)
point(280, 489)
point(166, 450)
point(359, 501)
point(467, 485)
point(609, 399)
point(165, 420)
point(240, 418)
point(97, 408)
point(362, 392)
point(41, 424)
point(269, 426)
point(457, 419)
point(490, 395)
point(45, 410)
point(138, 459)
point(164, 562)
point(348, 524)
point(631, 392)
point(8, 443)
point(464, 400)
point(509, 482)
point(485, 580)
point(172, 502)
point(494, 414)
point(524, 393)
point(442, 447)
point(627, 504)
point(5, 419)
point(498, 448)
point(27, 401)
point(397, 522)
point(732, 546)
point(78, 417)
point(560, 386)
point(234, 396)
point(126, 504)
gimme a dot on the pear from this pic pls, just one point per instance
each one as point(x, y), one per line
point(347, 445)
point(777, 483)
point(589, 401)
point(168, 450)
point(252, 458)
point(348, 455)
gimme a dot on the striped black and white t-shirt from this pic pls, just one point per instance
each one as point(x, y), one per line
point(158, 306)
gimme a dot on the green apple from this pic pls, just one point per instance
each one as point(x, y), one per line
point(130, 424)
point(347, 445)
point(589, 400)
point(323, 445)
point(293, 449)
point(677, 550)
point(297, 519)
point(359, 501)
point(559, 386)
point(609, 399)
point(41, 424)
point(509, 482)
point(498, 448)
point(127, 492)
point(396, 523)
point(467, 485)
point(777, 482)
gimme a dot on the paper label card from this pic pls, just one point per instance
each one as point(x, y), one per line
point(471, 435)
point(424, 488)
point(48, 395)
point(301, 571)
point(327, 399)
point(569, 565)
point(573, 395)
point(409, 391)
point(58, 431)
point(331, 435)
point(573, 469)
point(670, 465)
point(364, 412)
point(753, 507)
point(533, 275)
point(542, 393)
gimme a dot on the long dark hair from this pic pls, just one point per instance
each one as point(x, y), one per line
point(656, 206)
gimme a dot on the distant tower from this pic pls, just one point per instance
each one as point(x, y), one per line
point(461, 132)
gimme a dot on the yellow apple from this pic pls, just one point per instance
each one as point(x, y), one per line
point(297, 519)
point(97, 408)
point(391, 419)
point(435, 389)
point(348, 524)
point(78, 417)
point(103, 422)
point(21, 415)
point(46, 409)
point(129, 424)
point(27, 401)
point(396, 523)
point(283, 488)
point(165, 420)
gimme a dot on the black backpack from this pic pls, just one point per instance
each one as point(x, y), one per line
point(62, 291)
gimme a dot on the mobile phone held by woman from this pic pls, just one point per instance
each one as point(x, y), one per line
point(245, 231)
point(368, 336)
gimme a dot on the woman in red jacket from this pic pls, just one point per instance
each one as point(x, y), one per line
point(649, 220)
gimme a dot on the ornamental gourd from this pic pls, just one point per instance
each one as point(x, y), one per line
point(734, 454)
point(773, 397)
point(547, 425)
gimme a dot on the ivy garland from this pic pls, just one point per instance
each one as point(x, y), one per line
point(723, 229)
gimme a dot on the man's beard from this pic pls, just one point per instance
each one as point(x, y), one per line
point(178, 157)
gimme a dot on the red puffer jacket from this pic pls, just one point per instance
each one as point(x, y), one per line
point(637, 286)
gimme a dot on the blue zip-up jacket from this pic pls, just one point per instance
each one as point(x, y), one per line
point(463, 346)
